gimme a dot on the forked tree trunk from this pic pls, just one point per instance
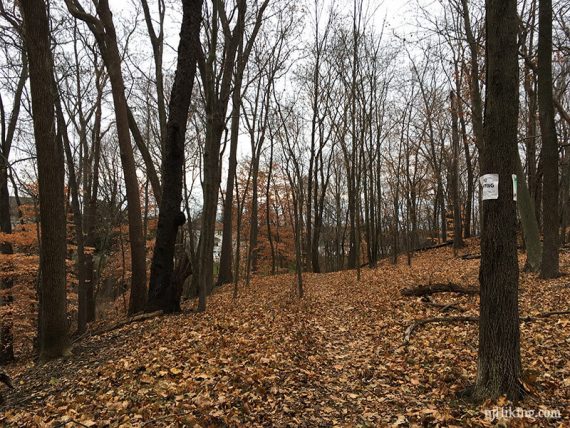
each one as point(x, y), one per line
point(163, 293)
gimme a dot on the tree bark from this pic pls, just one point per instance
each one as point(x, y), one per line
point(6, 336)
point(53, 335)
point(163, 293)
point(457, 229)
point(550, 266)
point(531, 233)
point(499, 363)
point(63, 140)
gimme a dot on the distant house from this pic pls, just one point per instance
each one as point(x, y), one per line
point(218, 234)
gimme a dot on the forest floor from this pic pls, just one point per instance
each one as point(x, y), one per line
point(337, 357)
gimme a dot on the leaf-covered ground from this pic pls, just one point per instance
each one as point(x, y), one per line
point(335, 358)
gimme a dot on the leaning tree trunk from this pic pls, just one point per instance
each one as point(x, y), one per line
point(499, 363)
point(163, 293)
point(550, 266)
point(53, 338)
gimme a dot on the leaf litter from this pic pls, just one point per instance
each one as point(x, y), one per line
point(335, 358)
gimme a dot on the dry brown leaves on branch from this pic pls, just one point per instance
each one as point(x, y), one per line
point(334, 358)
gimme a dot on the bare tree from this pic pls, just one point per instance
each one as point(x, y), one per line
point(103, 29)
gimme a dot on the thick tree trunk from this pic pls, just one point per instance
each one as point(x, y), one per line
point(6, 337)
point(53, 338)
point(550, 267)
point(499, 364)
point(163, 293)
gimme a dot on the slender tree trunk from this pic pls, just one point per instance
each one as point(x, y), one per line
point(63, 140)
point(550, 267)
point(475, 91)
point(90, 217)
point(145, 154)
point(53, 338)
point(157, 44)
point(6, 336)
point(254, 218)
point(103, 29)
point(499, 364)
point(225, 274)
point(531, 233)
point(457, 227)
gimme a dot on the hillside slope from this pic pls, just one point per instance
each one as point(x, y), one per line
point(335, 358)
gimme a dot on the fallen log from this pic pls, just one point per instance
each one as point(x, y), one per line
point(471, 256)
point(139, 317)
point(544, 315)
point(428, 290)
point(433, 247)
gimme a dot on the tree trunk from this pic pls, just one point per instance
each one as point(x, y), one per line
point(499, 364)
point(457, 229)
point(531, 233)
point(550, 267)
point(6, 336)
point(104, 31)
point(63, 140)
point(53, 338)
point(112, 60)
point(163, 293)
point(225, 275)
